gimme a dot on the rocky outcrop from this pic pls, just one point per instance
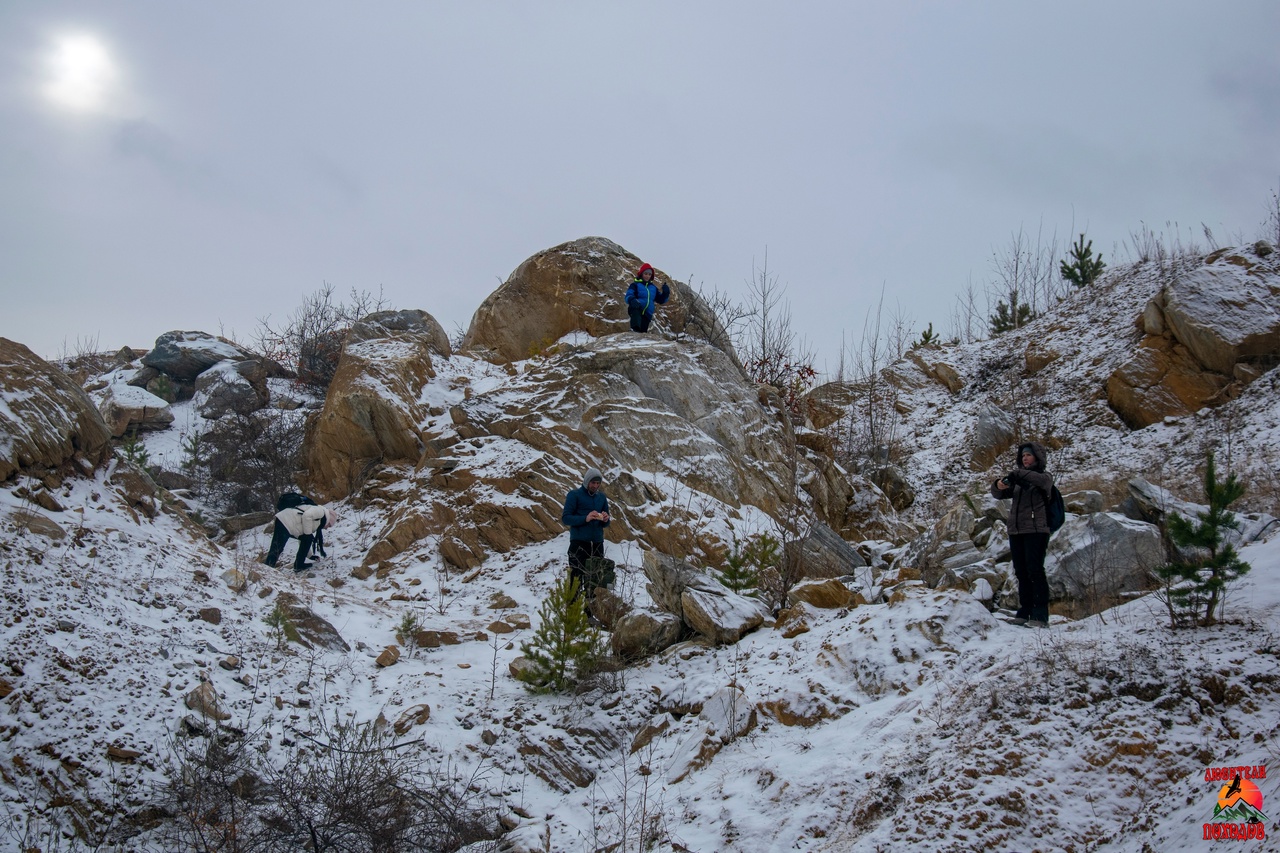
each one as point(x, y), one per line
point(1161, 380)
point(185, 355)
point(577, 286)
point(1209, 332)
point(307, 628)
point(46, 419)
point(704, 605)
point(641, 633)
point(372, 412)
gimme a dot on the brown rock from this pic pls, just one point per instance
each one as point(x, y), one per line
point(414, 716)
point(1162, 379)
point(390, 655)
point(577, 285)
point(212, 615)
point(204, 700)
point(115, 752)
point(48, 419)
point(828, 594)
point(500, 627)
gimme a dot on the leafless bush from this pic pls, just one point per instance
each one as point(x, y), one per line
point(252, 457)
point(337, 787)
point(310, 340)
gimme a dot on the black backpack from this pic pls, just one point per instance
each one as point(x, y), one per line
point(1056, 510)
point(290, 500)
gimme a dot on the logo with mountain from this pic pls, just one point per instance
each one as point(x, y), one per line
point(1240, 801)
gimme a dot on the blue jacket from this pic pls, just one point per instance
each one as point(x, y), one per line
point(645, 295)
point(576, 506)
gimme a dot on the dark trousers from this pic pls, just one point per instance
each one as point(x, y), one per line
point(639, 319)
point(279, 538)
point(1028, 551)
point(581, 550)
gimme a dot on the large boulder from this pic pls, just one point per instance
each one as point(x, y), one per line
point(124, 407)
point(1227, 311)
point(706, 606)
point(1095, 557)
point(577, 286)
point(231, 387)
point(385, 324)
point(643, 632)
point(373, 410)
point(47, 419)
point(994, 432)
point(185, 355)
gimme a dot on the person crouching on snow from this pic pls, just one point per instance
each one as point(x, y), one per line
point(301, 523)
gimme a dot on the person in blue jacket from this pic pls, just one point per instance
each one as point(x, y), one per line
point(643, 298)
point(586, 512)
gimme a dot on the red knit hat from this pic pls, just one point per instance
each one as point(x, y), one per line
point(643, 267)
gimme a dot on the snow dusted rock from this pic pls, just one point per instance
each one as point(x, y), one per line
point(1149, 502)
point(727, 715)
point(828, 594)
point(204, 700)
point(45, 418)
point(1084, 501)
point(641, 633)
point(994, 432)
point(231, 387)
point(388, 657)
point(577, 285)
point(948, 544)
point(823, 554)
point(385, 324)
point(937, 370)
point(1101, 554)
point(705, 605)
point(185, 355)
point(125, 407)
point(416, 715)
point(311, 630)
point(372, 412)
point(881, 650)
point(1227, 311)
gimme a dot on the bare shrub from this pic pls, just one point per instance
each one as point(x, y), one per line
point(252, 457)
point(337, 787)
point(310, 339)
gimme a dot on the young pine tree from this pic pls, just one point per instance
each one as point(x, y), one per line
point(1010, 315)
point(1084, 269)
point(1196, 586)
point(743, 565)
point(565, 647)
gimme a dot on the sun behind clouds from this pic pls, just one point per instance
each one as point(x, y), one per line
point(82, 75)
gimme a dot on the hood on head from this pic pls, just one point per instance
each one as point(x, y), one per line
point(592, 474)
point(1038, 449)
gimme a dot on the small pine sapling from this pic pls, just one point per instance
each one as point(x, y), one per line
point(745, 562)
point(1010, 315)
point(565, 648)
point(928, 338)
point(1195, 586)
point(1084, 268)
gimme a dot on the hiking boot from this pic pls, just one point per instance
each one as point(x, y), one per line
point(1018, 620)
point(297, 570)
point(1035, 623)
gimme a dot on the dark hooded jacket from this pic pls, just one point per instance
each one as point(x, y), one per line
point(577, 505)
point(1029, 488)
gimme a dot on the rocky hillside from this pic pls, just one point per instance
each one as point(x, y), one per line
point(883, 700)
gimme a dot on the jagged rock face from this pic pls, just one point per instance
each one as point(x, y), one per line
point(372, 411)
point(387, 323)
point(706, 606)
point(655, 416)
point(1210, 331)
point(577, 286)
point(46, 419)
point(1161, 380)
point(185, 355)
point(126, 408)
point(1227, 311)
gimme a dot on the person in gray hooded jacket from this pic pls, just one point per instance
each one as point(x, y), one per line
point(1030, 488)
point(586, 512)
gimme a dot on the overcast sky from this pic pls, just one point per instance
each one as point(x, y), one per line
point(173, 165)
